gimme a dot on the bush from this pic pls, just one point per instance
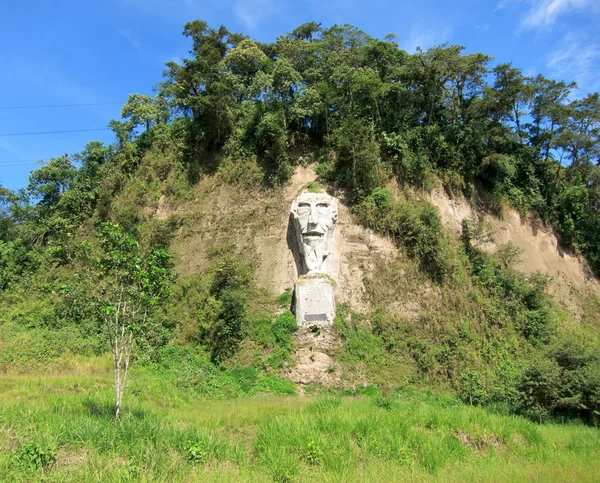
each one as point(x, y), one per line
point(413, 224)
point(227, 303)
point(283, 328)
point(562, 378)
point(227, 331)
point(470, 387)
point(34, 456)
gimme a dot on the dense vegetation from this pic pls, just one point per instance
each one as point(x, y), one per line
point(368, 113)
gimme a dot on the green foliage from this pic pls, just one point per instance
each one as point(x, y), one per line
point(413, 224)
point(229, 290)
point(196, 453)
point(471, 388)
point(33, 456)
point(359, 163)
point(50, 181)
point(285, 299)
point(562, 379)
point(409, 162)
point(123, 286)
point(522, 299)
point(242, 171)
point(272, 146)
point(188, 368)
point(283, 328)
point(313, 187)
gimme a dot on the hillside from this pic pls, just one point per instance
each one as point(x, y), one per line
point(466, 339)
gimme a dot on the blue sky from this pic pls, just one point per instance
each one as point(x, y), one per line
point(99, 51)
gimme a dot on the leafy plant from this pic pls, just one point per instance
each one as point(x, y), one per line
point(33, 456)
point(196, 453)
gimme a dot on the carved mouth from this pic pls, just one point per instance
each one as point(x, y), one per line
point(313, 235)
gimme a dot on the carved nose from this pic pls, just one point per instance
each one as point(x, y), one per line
point(313, 217)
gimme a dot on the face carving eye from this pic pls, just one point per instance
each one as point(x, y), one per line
point(303, 208)
point(323, 208)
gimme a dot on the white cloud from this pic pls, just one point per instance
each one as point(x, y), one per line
point(252, 12)
point(577, 59)
point(131, 38)
point(544, 13)
point(424, 37)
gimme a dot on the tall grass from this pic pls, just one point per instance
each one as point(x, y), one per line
point(169, 434)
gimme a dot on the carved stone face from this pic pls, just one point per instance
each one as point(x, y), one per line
point(315, 215)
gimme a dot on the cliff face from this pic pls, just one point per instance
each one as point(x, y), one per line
point(370, 271)
point(572, 281)
point(258, 226)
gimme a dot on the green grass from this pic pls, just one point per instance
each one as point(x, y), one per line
point(60, 428)
point(314, 187)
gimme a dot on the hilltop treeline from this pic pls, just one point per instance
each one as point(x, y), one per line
point(368, 112)
point(368, 108)
point(373, 110)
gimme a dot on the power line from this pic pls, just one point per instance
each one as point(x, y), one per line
point(23, 162)
point(51, 132)
point(32, 160)
point(16, 165)
point(63, 105)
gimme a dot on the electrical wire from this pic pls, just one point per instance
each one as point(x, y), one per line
point(62, 105)
point(51, 132)
point(20, 164)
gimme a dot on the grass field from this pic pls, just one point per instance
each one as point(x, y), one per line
point(60, 428)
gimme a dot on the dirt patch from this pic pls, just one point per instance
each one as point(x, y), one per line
point(162, 211)
point(358, 250)
point(67, 457)
point(313, 362)
point(257, 225)
point(480, 442)
point(8, 439)
point(540, 248)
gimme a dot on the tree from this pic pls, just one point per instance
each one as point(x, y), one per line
point(509, 96)
point(142, 110)
point(548, 112)
point(5, 218)
point(124, 286)
point(198, 89)
point(50, 181)
point(580, 139)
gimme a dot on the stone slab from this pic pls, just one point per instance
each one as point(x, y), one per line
point(314, 300)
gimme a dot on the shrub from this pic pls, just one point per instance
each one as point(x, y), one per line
point(470, 387)
point(285, 299)
point(413, 224)
point(562, 378)
point(283, 328)
point(196, 453)
point(227, 331)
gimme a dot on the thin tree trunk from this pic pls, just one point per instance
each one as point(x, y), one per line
point(122, 355)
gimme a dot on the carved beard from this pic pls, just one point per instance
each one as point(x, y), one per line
point(314, 256)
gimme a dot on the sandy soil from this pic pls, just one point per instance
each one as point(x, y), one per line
point(572, 280)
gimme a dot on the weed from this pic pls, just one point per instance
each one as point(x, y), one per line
point(34, 456)
point(196, 453)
